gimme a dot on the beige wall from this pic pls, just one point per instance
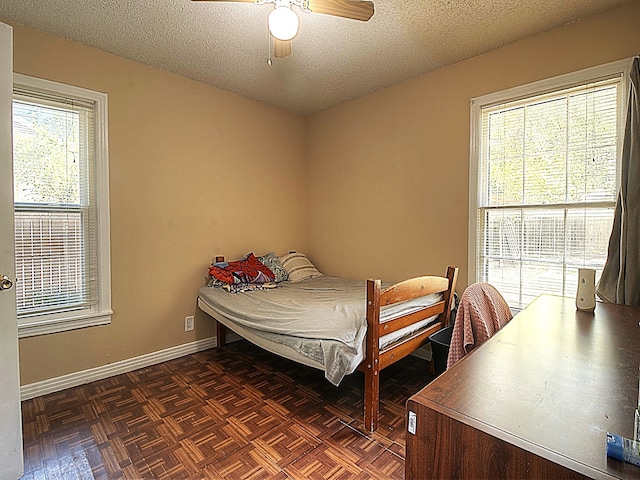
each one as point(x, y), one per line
point(374, 187)
point(193, 173)
point(388, 173)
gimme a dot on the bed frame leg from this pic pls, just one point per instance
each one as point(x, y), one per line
point(371, 397)
point(372, 361)
point(221, 331)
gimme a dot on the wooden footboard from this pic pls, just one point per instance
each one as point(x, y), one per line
point(377, 359)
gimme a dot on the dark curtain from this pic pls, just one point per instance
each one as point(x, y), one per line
point(620, 280)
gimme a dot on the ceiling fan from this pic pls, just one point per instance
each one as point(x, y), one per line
point(283, 21)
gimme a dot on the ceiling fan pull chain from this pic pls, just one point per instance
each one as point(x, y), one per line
point(269, 43)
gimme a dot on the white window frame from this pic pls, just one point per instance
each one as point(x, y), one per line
point(619, 68)
point(101, 313)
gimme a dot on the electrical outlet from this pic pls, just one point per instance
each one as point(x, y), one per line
point(188, 323)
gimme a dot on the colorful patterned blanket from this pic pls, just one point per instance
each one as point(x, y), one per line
point(248, 271)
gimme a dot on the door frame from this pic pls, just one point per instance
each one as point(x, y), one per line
point(11, 457)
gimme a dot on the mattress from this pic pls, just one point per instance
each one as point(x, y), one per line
point(320, 322)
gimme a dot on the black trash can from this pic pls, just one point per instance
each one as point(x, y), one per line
point(440, 343)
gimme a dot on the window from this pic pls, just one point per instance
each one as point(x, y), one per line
point(544, 179)
point(61, 206)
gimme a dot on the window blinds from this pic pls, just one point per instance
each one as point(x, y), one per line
point(547, 189)
point(55, 203)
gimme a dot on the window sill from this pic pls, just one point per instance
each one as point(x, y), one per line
point(35, 328)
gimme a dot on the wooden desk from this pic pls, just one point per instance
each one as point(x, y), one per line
point(535, 401)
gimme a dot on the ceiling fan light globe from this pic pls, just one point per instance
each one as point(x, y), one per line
point(283, 23)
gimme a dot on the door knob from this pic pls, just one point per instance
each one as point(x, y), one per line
point(5, 283)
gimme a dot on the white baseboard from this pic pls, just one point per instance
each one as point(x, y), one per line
point(57, 384)
point(51, 385)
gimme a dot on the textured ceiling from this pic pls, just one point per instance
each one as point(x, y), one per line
point(334, 59)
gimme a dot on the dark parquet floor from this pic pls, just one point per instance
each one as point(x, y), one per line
point(235, 413)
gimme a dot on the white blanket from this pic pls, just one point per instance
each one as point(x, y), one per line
point(323, 318)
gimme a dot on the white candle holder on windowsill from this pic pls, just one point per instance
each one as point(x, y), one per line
point(586, 294)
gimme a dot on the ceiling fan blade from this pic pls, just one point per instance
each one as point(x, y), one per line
point(281, 48)
point(354, 9)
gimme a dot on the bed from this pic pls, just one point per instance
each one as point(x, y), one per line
point(337, 325)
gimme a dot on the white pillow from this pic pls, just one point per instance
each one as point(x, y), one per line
point(298, 267)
